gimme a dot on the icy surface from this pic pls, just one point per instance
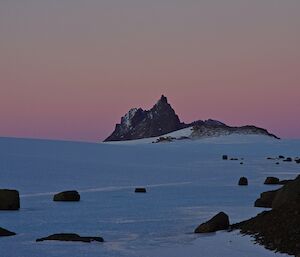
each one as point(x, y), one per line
point(187, 183)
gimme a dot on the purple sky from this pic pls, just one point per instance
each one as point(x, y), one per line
point(70, 69)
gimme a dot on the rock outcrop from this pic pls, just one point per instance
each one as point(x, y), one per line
point(243, 181)
point(67, 196)
point(289, 193)
point(272, 181)
point(140, 190)
point(70, 237)
point(4, 232)
point(218, 222)
point(204, 131)
point(279, 228)
point(266, 199)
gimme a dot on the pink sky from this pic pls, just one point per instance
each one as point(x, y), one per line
point(70, 69)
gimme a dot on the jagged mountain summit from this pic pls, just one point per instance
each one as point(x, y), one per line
point(161, 119)
point(138, 123)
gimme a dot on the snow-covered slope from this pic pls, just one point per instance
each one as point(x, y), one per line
point(187, 182)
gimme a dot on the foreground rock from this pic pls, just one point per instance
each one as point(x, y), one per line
point(4, 232)
point(9, 199)
point(279, 228)
point(289, 193)
point(243, 181)
point(71, 237)
point(140, 190)
point(266, 199)
point(271, 181)
point(216, 223)
point(68, 196)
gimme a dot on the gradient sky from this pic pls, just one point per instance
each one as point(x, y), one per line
point(69, 69)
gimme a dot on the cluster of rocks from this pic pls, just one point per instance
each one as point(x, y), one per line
point(284, 159)
point(279, 228)
point(164, 139)
point(225, 158)
point(10, 201)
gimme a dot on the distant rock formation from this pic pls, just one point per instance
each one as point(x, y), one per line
point(204, 130)
point(161, 119)
point(137, 123)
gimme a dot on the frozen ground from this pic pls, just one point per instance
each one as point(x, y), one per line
point(187, 183)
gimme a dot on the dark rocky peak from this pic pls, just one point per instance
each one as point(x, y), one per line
point(163, 100)
point(138, 123)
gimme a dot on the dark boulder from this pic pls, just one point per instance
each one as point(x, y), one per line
point(218, 222)
point(225, 157)
point(70, 237)
point(271, 181)
point(9, 199)
point(266, 199)
point(297, 161)
point(288, 159)
point(68, 196)
point(243, 181)
point(4, 232)
point(140, 190)
point(281, 157)
point(234, 159)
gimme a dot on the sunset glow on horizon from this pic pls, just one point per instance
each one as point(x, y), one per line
point(70, 69)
